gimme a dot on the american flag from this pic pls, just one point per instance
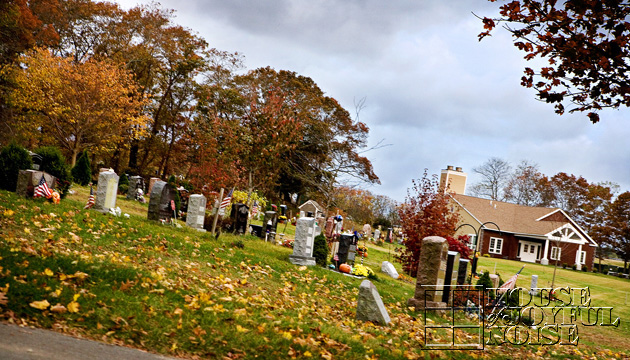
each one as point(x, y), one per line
point(91, 199)
point(226, 200)
point(42, 190)
point(509, 285)
point(255, 208)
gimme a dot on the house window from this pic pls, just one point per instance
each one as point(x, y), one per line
point(582, 257)
point(472, 242)
point(524, 247)
point(496, 245)
point(532, 249)
point(555, 253)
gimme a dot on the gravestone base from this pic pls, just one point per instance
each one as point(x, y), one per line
point(302, 260)
point(419, 304)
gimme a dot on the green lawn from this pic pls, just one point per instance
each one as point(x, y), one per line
point(180, 292)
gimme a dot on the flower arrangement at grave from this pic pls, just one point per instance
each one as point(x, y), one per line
point(282, 219)
point(362, 270)
point(288, 243)
point(362, 251)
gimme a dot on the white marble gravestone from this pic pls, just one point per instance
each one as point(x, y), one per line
point(106, 191)
point(304, 240)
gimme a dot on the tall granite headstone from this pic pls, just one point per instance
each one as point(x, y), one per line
point(106, 191)
point(196, 211)
point(462, 271)
point(450, 278)
point(370, 306)
point(239, 215)
point(345, 241)
point(29, 179)
point(303, 244)
point(160, 201)
point(135, 182)
point(431, 273)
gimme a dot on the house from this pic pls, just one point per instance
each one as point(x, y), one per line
point(313, 207)
point(525, 233)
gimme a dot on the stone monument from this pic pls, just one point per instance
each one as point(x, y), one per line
point(345, 241)
point(106, 191)
point(370, 306)
point(450, 278)
point(462, 271)
point(135, 182)
point(160, 201)
point(389, 269)
point(152, 182)
point(303, 244)
point(29, 179)
point(431, 273)
point(196, 211)
point(533, 287)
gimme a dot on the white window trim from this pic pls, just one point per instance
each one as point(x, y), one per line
point(558, 253)
point(582, 257)
point(498, 246)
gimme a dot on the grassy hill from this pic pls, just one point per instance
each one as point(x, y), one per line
point(176, 291)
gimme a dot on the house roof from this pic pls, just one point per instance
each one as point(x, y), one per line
point(314, 203)
point(511, 217)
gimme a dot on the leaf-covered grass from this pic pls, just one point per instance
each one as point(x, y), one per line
point(181, 292)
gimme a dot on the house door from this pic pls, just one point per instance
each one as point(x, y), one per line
point(529, 251)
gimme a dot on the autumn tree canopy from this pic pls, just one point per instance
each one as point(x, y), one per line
point(585, 45)
point(76, 106)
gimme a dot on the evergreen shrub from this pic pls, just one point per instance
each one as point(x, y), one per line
point(320, 250)
point(13, 158)
point(82, 172)
point(54, 163)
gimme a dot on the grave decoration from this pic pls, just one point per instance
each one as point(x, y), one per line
point(29, 179)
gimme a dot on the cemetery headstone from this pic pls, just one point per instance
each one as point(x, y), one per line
point(160, 201)
point(377, 234)
point(106, 191)
point(367, 230)
point(389, 269)
point(463, 271)
point(452, 270)
point(196, 211)
point(303, 244)
point(495, 280)
point(431, 273)
point(239, 215)
point(370, 306)
point(270, 224)
point(29, 179)
point(135, 183)
point(533, 288)
point(152, 182)
point(352, 253)
point(329, 228)
point(344, 247)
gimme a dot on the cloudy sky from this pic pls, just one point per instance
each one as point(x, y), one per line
point(432, 90)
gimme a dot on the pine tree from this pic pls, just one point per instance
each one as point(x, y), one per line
point(82, 172)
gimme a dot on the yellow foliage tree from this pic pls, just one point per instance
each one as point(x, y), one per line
point(87, 105)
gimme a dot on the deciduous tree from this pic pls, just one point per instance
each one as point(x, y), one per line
point(425, 212)
point(495, 173)
point(586, 47)
point(618, 221)
point(77, 106)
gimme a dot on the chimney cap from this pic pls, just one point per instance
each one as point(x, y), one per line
point(459, 168)
point(449, 167)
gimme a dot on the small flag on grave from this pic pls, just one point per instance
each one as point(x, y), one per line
point(42, 189)
point(91, 199)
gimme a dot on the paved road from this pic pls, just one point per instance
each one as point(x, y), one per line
point(18, 343)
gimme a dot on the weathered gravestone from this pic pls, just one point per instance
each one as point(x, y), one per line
point(106, 191)
point(462, 271)
point(196, 211)
point(152, 182)
point(370, 306)
point(29, 179)
point(450, 278)
point(389, 269)
point(303, 244)
point(495, 280)
point(367, 230)
point(135, 183)
point(239, 215)
point(377, 234)
point(431, 274)
point(160, 201)
point(270, 224)
point(533, 287)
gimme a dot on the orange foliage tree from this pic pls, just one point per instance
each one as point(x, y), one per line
point(76, 106)
point(425, 212)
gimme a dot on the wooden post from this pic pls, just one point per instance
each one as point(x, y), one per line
point(216, 214)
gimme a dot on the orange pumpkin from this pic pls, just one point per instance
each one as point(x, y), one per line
point(345, 268)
